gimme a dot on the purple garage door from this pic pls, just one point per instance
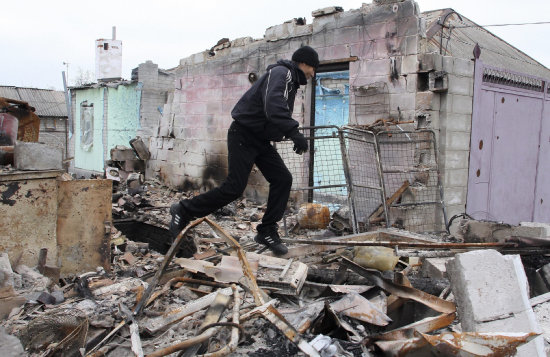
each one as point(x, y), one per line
point(510, 148)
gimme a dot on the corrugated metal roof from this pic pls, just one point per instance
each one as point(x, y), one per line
point(48, 103)
point(494, 51)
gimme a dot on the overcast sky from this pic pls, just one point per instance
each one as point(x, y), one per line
point(39, 36)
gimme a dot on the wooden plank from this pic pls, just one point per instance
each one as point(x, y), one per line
point(373, 217)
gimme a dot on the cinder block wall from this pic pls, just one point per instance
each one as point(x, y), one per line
point(379, 40)
point(389, 73)
point(456, 124)
point(157, 87)
point(53, 131)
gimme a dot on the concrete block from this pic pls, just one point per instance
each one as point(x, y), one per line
point(10, 345)
point(37, 156)
point(446, 102)
point(349, 19)
point(462, 104)
point(461, 85)
point(463, 67)
point(438, 81)
point(458, 122)
point(425, 101)
point(491, 292)
point(409, 64)
point(287, 30)
point(456, 159)
point(375, 68)
point(6, 273)
point(140, 148)
point(428, 62)
point(411, 46)
point(472, 231)
point(545, 227)
point(448, 62)
point(405, 101)
point(435, 268)
point(454, 195)
point(458, 140)
point(542, 313)
point(456, 178)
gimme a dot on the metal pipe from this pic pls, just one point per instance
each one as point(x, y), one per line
point(349, 181)
point(401, 244)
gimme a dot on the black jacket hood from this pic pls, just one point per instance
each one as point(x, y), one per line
point(266, 107)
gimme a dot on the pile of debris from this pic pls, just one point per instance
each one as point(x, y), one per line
point(387, 292)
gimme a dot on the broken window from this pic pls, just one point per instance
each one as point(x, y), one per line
point(86, 125)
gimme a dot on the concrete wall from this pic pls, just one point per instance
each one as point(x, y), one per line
point(116, 121)
point(53, 132)
point(455, 127)
point(379, 41)
point(122, 115)
point(157, 87)
point(91, 159)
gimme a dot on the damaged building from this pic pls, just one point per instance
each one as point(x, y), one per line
point(387, 61)
point(403, 225)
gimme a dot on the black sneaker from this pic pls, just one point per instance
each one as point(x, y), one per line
point(271, 240)
point(179, 219)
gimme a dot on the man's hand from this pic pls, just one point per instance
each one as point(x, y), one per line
point(300, 143)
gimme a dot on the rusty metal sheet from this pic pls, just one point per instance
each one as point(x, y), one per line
point(478, 343)
point(402, 291)
point(83, 226)
point(457, 344)
point(428, 324)
point(28, 215)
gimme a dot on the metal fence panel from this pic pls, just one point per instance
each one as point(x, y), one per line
point(318, 175)
point(367, 191)
point(384, 179)
point(410, 173)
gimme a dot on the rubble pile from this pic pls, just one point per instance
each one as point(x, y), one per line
point(333, 294)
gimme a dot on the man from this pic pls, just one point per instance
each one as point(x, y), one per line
point(262, 115)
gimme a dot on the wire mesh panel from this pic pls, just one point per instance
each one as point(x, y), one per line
point(411, 180)
point(367, 191)
point(318, 175)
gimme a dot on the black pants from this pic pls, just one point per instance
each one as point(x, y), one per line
point(244, 149)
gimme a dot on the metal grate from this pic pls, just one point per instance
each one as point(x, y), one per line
point(367, 191)
point(491, 75)
point(411, 178)
point(318, 175)
point(384, 179)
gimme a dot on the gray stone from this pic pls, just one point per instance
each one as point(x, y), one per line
point(435, 268)
point(37, 156)
point(6, 273)
point(484, 232)
point(10, 346)
point(58, 296)
point(491, 292)
point(140, 148)
point(326, 11)
point(32, 279)
point(544, 227)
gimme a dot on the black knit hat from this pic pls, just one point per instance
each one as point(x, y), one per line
point(307, 55)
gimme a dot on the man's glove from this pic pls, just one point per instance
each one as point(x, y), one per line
point(300, 143)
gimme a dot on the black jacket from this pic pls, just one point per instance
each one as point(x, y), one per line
point(266, 108)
